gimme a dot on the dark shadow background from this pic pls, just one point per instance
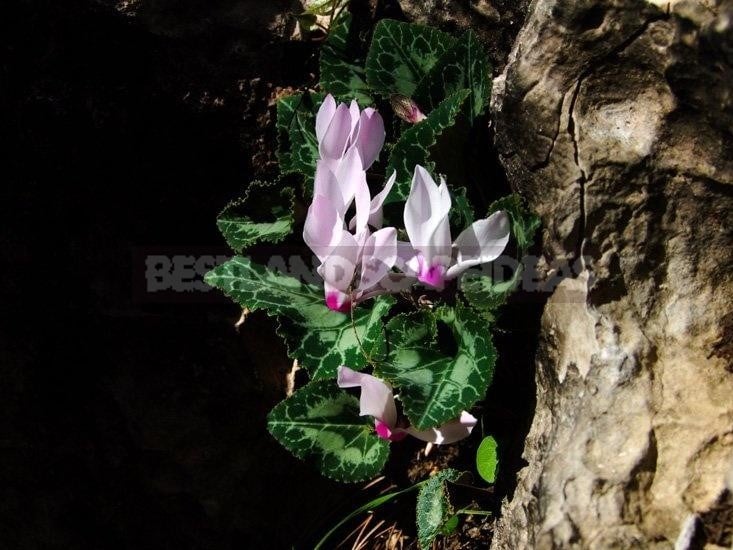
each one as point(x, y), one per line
point(127, 421)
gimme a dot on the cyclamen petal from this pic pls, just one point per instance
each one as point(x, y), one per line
point(370, 138)
point(482, 242)
point(339, 266)
point(450, 432)
point(337, 300)
point(323, 227)
point(336, 137)
point(376, 216)
point(427, 225)
point(324, 116)
point(377, 400)
point(376, 397)
point(379, 256)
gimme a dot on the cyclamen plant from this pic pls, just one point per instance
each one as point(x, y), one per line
point(378, 250)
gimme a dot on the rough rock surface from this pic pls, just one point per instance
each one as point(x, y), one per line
point(614, 119)
point(495, 21)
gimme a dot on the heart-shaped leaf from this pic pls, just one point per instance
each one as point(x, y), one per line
point(296, 132)
point(342, 64)
point(435, 387)
point(321, 424)
point(464, 66)
point(401, 54)
point(265, 213)
point(321, 339)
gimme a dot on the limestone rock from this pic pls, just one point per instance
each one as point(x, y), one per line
point(614, 119)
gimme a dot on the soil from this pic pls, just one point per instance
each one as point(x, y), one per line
point(137, 420)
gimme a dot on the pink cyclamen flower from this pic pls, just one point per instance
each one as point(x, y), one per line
point(354, 264)
point(377, 400)
point(429, 255)
point(340, 128)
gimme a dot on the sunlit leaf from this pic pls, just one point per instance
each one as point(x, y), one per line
point(320, 423)
point(401, 54)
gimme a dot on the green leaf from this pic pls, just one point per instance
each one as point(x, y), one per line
point(296, 131)
point(401, 54)
point(464, 66)
point(524, 222)
point(435, 387)
point(320, 423)
point(450, 526)
point(265, 213)
point(485, 296)
point(323, 7)
point(341, 64)
point(481, 291)
point(487, 460)
point(461, 214)
point(433, 507)
point(413, 146)
point(321, 339)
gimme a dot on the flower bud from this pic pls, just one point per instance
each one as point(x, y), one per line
point(406, 109)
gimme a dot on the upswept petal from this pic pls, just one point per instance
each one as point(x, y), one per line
point(323, 227)
point(351, 184)
point(450, 432)
point(426, 216)
point(324, 116)
point(481, 242)
point(376, 397)
point(336, 137)
point(378, 258)
point(355, 115)
point(376, 216)
point(370, 138)
point(326, 184)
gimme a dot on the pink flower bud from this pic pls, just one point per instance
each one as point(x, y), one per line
point(406, 109)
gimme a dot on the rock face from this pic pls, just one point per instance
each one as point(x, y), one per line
point(614, 119)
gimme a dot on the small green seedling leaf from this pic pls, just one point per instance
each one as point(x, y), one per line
point(450, 526)
point(264, 214)
point(319, 338)
point(435, 387)
point(433, 507)
point(341, 64)
point(320, 423)
point(401, 54)
point(413, 147)
point(487, 460)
